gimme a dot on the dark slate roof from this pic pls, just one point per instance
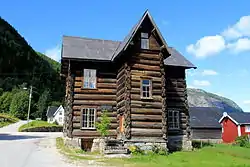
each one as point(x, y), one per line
point(240, 117)
point(205, 117)
point(108, 50)
point(176, 59)
point(51, 111)
point(88, 48)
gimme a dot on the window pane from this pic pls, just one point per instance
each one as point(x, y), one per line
point(144, 35)
point(145, 82)
point(144, 43)
point(89, 78)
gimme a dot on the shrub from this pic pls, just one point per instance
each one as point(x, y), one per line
point(103, 125)
point(242, 141)
point(133, 149)
point(158, 149)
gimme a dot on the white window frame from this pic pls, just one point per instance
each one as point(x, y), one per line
point(89, 77)
point(149, 91)
point(247, 128)
point(175, 123)
point(60, 119)
point(86, 116)
point(144, 40)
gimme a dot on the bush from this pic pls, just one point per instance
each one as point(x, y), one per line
point(133, 149)
point(242, 141)
point(103, 125)
point(158, 149)
point(200, 143)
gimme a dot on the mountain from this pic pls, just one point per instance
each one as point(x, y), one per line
point(21, 66)
point(201, 98)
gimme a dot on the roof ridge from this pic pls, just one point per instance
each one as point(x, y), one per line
point(91, 38)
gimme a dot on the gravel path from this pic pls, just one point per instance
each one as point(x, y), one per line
point(31, 149)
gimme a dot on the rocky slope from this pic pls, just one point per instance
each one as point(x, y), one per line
point(201, 98)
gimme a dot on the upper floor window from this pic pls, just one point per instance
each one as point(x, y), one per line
point(88, 118)
point(146, 88)
point(60, 112)
point(173, 119)
point(89, 77)
point(144, 41)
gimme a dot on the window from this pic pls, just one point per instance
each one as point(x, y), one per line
point(146, 88)
point(60, 112)
point(173, 119)
point(51, 119)
point(89, 78)
point(88, 118)
point(247, 128)
point(144, 41)
point(60, 119)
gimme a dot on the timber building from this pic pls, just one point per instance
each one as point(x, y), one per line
point(140, 81)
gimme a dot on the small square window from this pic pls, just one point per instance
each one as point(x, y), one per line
point(88, 118)
point(247, 128)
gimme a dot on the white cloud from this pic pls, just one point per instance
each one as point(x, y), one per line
point(246, 102)
point(240, 29)
point(241, 45)
point(201, 83)
point(54, 53)
point(207, 46)
point(209, 72)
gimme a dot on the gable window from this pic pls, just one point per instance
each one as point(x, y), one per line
point(173, 119)
point(89, 76)
point(247, 128)
point(146, 88)
point(144, 41)
point(88, 118)
point(60, 112)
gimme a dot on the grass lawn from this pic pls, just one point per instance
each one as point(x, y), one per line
point(6, 119)
point(213, 156)
point(35, 124)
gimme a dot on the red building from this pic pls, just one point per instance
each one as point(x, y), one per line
point(234, 125)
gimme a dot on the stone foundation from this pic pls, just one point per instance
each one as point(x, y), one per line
point(72, 142)
point(181, 142)
point(98, 145)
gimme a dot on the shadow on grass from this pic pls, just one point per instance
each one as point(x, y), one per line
point(17, 137)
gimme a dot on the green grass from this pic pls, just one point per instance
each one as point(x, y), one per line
point(212, 156)
point(9, 119)
point(35, 124)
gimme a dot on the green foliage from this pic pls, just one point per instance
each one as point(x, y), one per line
point(200, 144)
point(158, 149)
point(55, 122)
point(243, 141)
point(36, 124)
point(135, 150)
point(5, 101)
point(103, 125)
point(19, 104)
point(6, 119)
point(1, 91)
point(42, 105)
point(55, 103)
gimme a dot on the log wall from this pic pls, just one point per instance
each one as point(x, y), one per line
point(103, 96)
point(176, 97)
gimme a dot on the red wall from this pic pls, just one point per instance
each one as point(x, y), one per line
point(242, 128)
point(230, 131)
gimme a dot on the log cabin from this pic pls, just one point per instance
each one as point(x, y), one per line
point(140, 81)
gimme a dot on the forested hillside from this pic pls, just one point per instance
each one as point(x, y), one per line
point(21, 66)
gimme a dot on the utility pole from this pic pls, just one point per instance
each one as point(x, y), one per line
point(30, 96)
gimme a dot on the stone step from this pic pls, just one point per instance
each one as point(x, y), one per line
point(116, 151)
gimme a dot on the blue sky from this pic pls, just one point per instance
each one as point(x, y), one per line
point(214, 35)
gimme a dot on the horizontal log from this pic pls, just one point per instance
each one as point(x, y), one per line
point(139, 78)
point(176, 94)
point(145, 62)
point(77, 119)
point(138, 97)
point(145, 67)
point(93, 102)
point(174, 89)
point(98, 107)
point(95, 91)
point(147, 56)
point(146, 132)
point(106, 85)
point(176, 79)
point(147, 125)
point(175, 104)
point(146, 73)
point(135, 103)
point(146, 111)
point(100, 80)
point(78, 125)
point(138, 85)
point(109, 114)
point(94, 97)
point(142, 117)
point(90, 133)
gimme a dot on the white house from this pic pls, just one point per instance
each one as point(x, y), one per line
point(55, 114)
